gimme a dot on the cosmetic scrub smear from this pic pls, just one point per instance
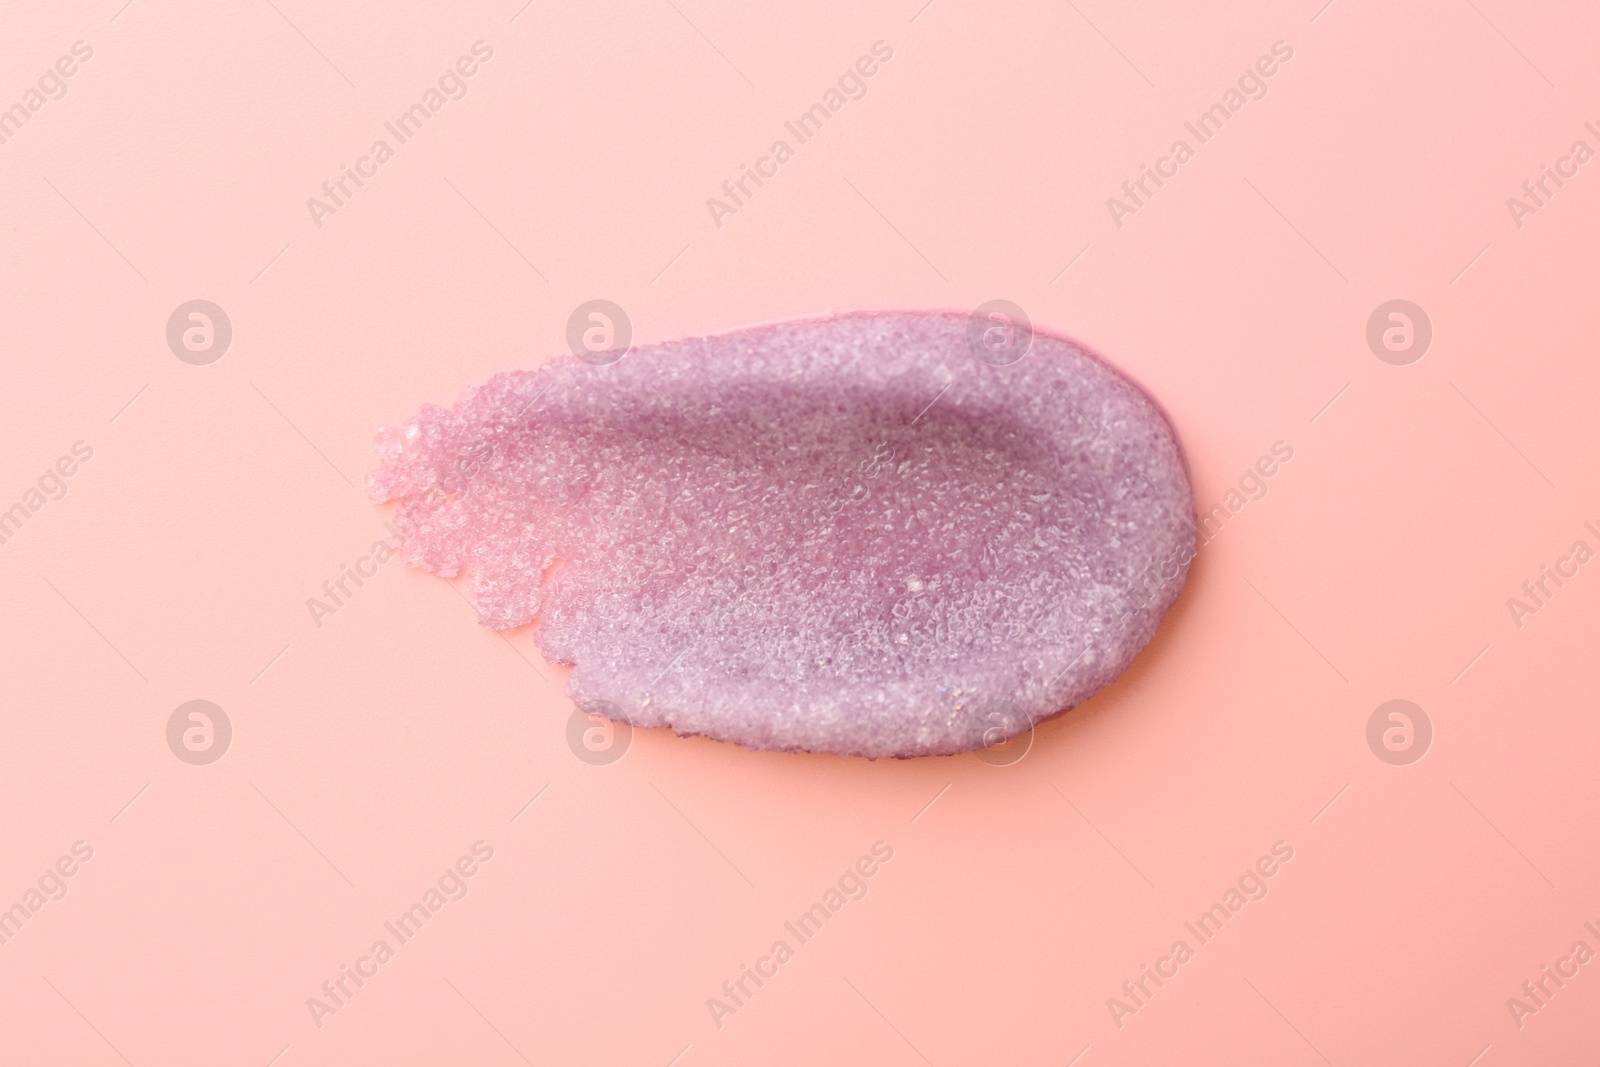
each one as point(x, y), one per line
point(875, 534)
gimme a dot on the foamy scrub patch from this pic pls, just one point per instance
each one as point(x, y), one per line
point(875, 534)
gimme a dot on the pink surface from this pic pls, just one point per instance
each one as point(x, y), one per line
point(368, 756)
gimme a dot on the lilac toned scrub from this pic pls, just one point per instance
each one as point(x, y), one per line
point(874, 534)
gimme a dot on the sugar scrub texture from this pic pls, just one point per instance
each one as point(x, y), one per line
point(846, 534)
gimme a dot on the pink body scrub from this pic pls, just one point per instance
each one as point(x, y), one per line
point(858, 534)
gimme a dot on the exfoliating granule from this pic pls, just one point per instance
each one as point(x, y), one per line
point(850, 534)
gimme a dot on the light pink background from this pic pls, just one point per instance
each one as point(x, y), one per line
point(368, 754)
